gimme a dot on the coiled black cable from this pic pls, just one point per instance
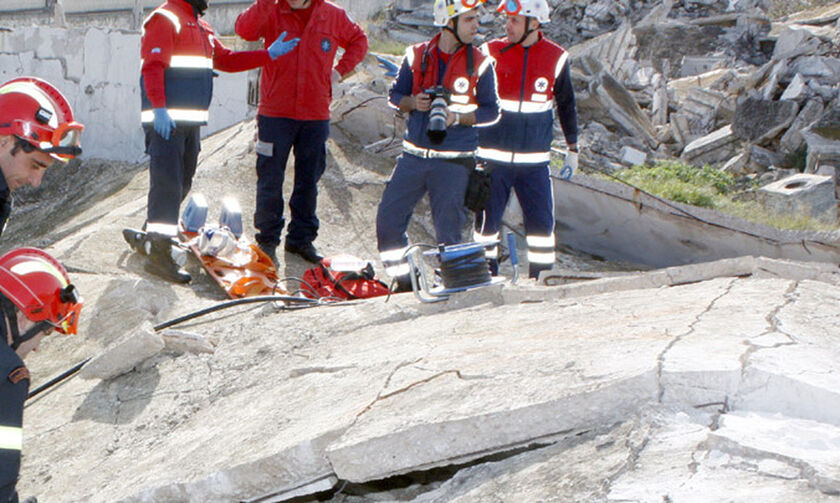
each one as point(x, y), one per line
point(469, 269)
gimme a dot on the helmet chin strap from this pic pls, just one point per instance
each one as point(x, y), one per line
point(10, 313)
point(528, 32)
point(454, 31)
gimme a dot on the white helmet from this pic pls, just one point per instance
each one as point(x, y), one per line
point(447, 9)
point(538, 9)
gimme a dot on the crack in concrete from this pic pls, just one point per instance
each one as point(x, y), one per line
point(634, 451)
point(381, 396)
point(661, 358)
point(772, 319)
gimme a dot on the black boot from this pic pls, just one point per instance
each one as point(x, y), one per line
point(270, 250)
point(162, 259)
point(305, 251)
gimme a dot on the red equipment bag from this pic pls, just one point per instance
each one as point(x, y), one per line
point(323, 282)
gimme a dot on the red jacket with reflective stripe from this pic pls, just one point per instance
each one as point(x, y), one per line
point(456, 79)
point(297, 85)
point(179, 53)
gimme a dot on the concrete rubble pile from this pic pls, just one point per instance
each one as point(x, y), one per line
point(709, 82)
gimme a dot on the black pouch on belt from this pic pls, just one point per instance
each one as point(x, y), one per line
point(478, 188)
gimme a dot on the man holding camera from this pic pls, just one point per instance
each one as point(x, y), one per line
point(534, 77)
point(448, 88)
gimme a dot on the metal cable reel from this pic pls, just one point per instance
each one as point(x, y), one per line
point(461, 267)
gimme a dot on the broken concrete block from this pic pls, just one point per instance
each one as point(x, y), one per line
point(181, 341)
point(825, 69)
point(792, 139)
point(823, 139)
point(794, 41)
point(801, 193)
point(759, 120)
point(812, 446)
point(713, 148)
point(762, 158)
point(797, 90)
point(736, 164)
point(124, 355)
point(632, 156)
point(623, 108)
point(696, 65)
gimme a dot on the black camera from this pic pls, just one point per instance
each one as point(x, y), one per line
point(437, 114)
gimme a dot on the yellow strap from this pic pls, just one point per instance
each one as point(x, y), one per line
point(11, 438)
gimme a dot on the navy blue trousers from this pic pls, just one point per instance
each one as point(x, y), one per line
point(446, 182)
point(277, 137)
point(171, 169)
point(533, 190)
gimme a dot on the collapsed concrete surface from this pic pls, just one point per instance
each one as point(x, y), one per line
point(371, 390)
point(560, 392)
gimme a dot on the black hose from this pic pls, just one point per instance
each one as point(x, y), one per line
point(55, 380)
point(236, 302)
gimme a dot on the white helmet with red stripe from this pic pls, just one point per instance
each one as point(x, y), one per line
point(537, 9)
point(448, 9)
point(37, 113)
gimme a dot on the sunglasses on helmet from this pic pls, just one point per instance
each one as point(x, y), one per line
point(511, 7)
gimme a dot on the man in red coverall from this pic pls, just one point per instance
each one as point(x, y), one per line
point(295, 96)
point(180, 52)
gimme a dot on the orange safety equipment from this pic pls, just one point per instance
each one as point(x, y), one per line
point(445, 10)
point(538, 9)
point(38, 285)
point(36, 112)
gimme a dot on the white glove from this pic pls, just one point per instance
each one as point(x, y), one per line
point(570, 165)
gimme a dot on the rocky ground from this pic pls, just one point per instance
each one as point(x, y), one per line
point(708, 382)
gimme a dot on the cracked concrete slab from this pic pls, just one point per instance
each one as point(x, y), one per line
point(812, 447)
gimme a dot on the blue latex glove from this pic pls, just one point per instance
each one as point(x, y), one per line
point(280, 47)
point(569, 166)
point(391, 70)
point(164, 125)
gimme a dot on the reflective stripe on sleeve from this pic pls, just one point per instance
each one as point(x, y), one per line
point(560, 64)
point(11, 438)
point(171, 16)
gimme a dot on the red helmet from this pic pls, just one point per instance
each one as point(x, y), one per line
point(36, 112)
point(38, 285)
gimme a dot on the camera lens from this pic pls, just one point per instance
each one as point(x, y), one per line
point(437, 121)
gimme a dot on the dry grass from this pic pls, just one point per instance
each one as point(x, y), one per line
point(781, 8)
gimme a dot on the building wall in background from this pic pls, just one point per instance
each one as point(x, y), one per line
point(92, 53)
point(98, 69)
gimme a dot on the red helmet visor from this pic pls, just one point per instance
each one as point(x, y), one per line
point(63, 143)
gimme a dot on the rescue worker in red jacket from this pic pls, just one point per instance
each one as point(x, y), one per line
point(36, 130)
point(427, 163)
point(534, 77)
point(36, 296)
point(180, 52)
point(294, 112)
